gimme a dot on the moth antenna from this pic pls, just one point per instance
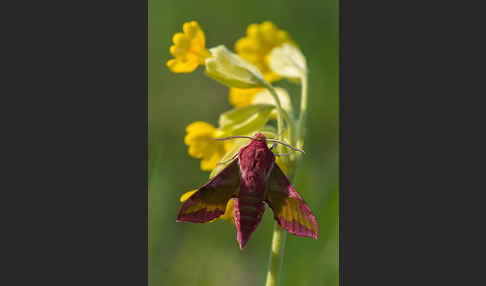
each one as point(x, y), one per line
point(270, 140)
point(288, 145)
point(234, 137)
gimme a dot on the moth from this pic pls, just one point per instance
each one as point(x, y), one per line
point(252, 179)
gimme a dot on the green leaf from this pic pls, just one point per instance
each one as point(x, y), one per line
point(246, 119)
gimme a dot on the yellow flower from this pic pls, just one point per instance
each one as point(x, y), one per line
point(200, 139)
point(259, 42)
point(240, 97)
point(228, 213)
point(189, 49)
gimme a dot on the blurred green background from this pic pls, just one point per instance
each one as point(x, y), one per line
point(208, 254)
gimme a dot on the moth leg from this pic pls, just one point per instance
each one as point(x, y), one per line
point(282, 154)
point(273, 146)
point(279, 154)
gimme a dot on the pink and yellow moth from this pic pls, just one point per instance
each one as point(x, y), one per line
point(252, 180)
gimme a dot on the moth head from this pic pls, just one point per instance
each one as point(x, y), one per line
point(260, 137)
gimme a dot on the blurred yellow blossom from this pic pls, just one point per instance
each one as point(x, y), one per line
point(189, 49)
point(202, 144)
point(229, 212)
point(260, 40)
point(240, 97)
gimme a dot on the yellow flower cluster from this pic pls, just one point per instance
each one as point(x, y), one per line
point(189, 49)
point(202, 144)
point(260, 40)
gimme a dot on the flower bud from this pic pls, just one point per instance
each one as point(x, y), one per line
point(288, 61)
point(231, 70)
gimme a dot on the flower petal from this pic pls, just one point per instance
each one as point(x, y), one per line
point(200, 138)
point(240, 97)
point(189, 49)
point(228, 214)
point(179, 66)
point(260, 40)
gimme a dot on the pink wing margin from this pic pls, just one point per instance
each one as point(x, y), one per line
point(209, 202)
point(289, 209)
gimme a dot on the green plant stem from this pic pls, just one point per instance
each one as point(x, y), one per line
point(279, 235)
point(303, 110)
point(276, 255)
point(279, 109)
point(290, 128)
